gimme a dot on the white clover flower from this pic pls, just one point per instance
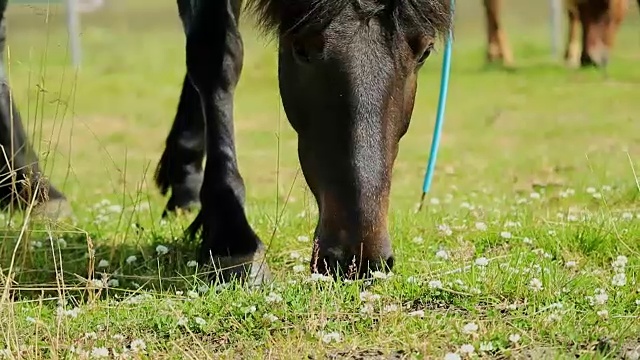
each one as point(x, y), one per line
point(470, 328)
point(619, 279)
point(138, 345)
point(331, 337)
point(514, 338)
point(369, 297)
point(467, 349)
point(270, 317)
point(442, 254)
point(100, 352)
point(435, 284)
point(417, 313)
point(273, 298)
point(192, 263)
point(486, 346)
point(200, 321)
point(131, 259)
point(482, 261)
point(481, 226)
point(536, 285)
point(445, 229)
point(162, 250)
point(452, 356)
point(417, 240)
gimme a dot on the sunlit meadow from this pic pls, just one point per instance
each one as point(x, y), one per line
point(527, 246)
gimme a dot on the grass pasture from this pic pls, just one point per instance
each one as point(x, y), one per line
point(528, 247)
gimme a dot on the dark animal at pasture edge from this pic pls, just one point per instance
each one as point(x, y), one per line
point(347, 72)
point(20, 174)
point(598, 19)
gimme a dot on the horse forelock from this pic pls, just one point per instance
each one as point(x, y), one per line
point(283, 16)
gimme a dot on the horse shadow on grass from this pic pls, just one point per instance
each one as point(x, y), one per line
point(38, 261)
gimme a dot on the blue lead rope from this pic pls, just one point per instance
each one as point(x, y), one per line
point(442, 102)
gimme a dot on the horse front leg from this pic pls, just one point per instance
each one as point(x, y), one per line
point(214, 63)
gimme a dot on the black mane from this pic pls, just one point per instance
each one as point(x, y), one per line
point(430, 16)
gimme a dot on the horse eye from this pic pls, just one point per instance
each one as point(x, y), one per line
point(307, 48)
point(421, 46)
point(425, 54)
point(300, 52)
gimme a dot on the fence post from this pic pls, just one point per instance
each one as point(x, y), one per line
point(73, 27)
point(556, 25)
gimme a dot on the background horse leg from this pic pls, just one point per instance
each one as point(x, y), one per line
point(20, 176)
point(497, 45)
point(572, 53)
point(180, 166)
point(600, 22)
point(214, 63)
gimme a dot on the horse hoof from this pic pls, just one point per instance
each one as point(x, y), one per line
point(175, 206)
point(53, 209)
point(183, 197)
point(250, 269)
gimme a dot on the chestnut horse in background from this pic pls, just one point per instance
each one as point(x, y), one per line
point(599, 19)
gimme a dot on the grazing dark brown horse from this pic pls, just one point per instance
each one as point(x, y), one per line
point(347, 72)
point(599, 19)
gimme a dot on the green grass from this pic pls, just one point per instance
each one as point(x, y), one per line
point(535, 174)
